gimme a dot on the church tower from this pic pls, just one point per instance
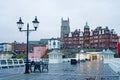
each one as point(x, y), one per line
point(65, 27)
point(86, 35)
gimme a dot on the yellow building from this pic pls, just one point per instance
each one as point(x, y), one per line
point(5, 55)
point(103, 55)
point(93, 55)
point(88, 55)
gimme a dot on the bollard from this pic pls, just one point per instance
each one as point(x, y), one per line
point(73, 61)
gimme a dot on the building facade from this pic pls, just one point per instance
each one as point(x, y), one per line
point(5, 54)
point(38, 52)
point(5, 47)
point(97, 38)
point(5, 50)
point(53, 43)
point(21, 48)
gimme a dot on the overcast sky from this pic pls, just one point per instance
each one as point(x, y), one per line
point(49, 13)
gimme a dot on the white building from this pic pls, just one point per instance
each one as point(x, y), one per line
point(5, 47)
point(5, 51)
point(55, 57)
point(108, 54)
point(53, 43)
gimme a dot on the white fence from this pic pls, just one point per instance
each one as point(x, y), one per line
point(7, 63)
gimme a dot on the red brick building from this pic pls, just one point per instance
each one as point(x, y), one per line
point(21, 47)
point(97, 38)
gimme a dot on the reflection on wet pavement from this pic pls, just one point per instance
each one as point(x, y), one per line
point(91, 70)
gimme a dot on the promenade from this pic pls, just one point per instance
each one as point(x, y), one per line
point(64, 71)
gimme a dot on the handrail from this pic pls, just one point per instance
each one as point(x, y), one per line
point(11, 63)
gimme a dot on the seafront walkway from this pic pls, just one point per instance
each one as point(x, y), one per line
point(94, 70)
point(114, 63)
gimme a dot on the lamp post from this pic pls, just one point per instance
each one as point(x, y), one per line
point(20, 25)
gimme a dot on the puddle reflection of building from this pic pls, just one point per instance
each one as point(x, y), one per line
point(88, 55)
point(82, 69)
point(89, 67)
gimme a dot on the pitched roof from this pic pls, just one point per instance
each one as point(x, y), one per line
point(54, 52)
point(108, 51)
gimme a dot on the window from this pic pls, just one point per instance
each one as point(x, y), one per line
point(64, 27)
point(102, 31)
point(81, 42)
point(91, 41)
point(95, 40)
point(69, 42)
point(81, 38)
point(95, 37)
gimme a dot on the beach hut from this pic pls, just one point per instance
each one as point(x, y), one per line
point(108, 54)
point(55, 57)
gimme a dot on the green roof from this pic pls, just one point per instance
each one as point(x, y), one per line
point(86, 26)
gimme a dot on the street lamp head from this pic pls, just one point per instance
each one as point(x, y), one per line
point(20, 24)
point(35, 23)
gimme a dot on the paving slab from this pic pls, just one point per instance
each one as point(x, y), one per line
point(64, 71)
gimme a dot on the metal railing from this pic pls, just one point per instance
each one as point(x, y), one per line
point(7, 63)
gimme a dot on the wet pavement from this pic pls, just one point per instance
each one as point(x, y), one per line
point(91, 70)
